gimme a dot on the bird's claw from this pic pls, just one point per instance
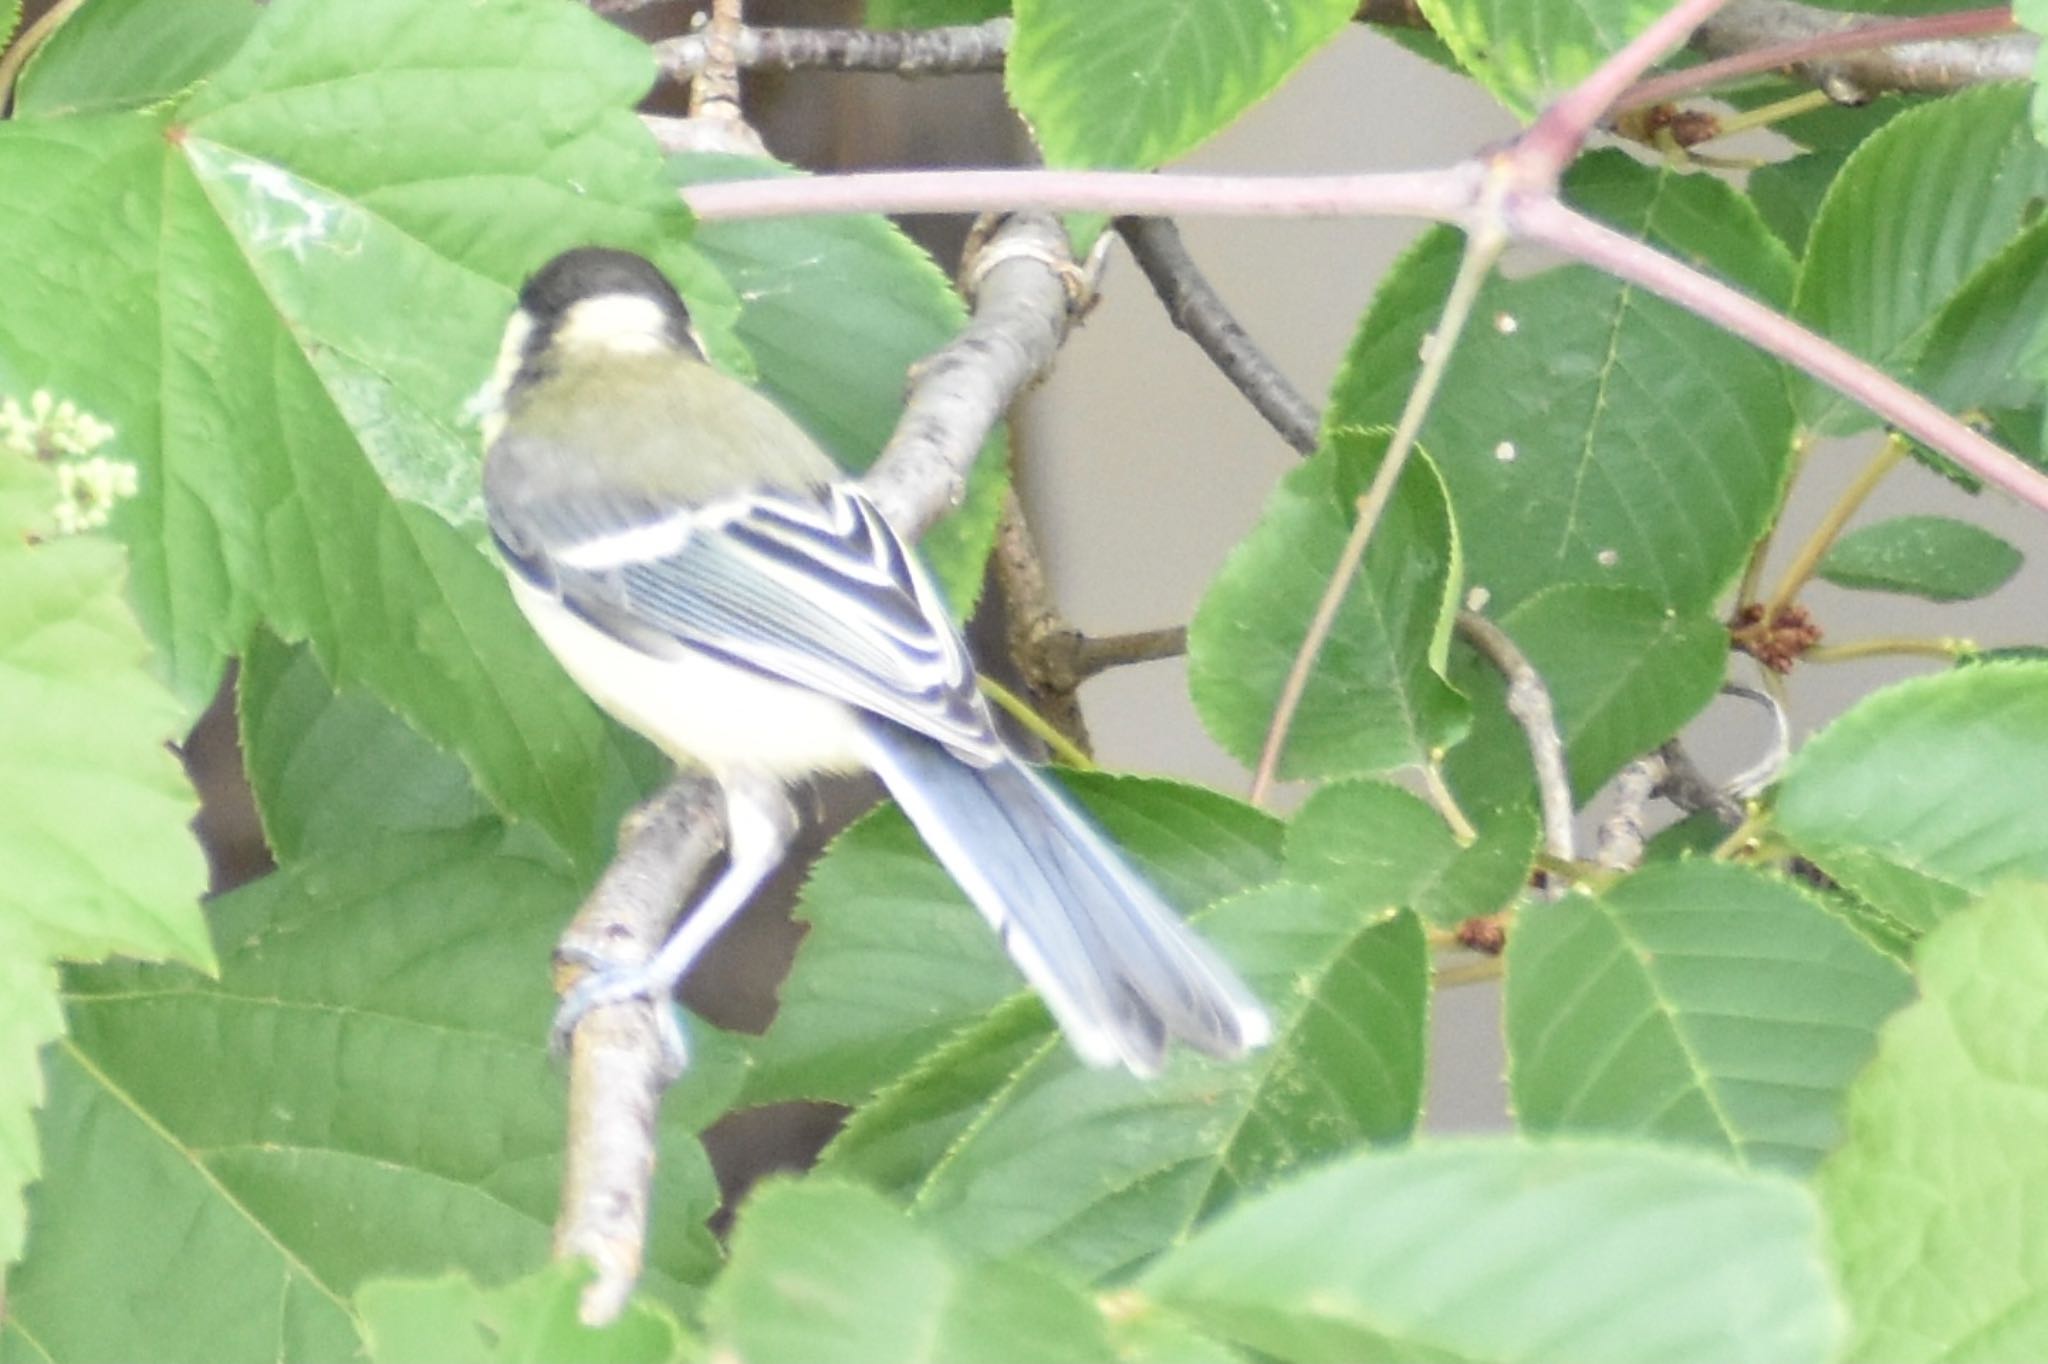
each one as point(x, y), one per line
point(606, 985)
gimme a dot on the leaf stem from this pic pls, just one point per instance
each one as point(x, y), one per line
point(1764, 115)
point(1061, 746)
point(1886, 646)
point(1469, 973)
point(1803, 564)
point(1447, 804)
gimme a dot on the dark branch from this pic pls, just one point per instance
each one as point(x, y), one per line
point(1197, 309)
point(1688, 788)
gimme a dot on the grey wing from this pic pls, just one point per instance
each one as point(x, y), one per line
point(810, 587)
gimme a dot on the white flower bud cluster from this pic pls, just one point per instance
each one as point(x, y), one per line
point(61, 434)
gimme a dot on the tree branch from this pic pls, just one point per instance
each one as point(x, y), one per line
point(617, 1069)
point(944, 51)
point(1195, 307)
point(1036, 628)
point(1624, 834)
point(1022, 283)
point(1852, 57)
point(1685, 786)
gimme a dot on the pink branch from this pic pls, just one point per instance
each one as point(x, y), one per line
point(1557, 134)
point(1439, 194)
point(1549, 223)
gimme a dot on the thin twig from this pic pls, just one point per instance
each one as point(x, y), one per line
point(1195, 307)
point(956, 49)
point(1528, 700)
point(1688, 788)
point(617, 1070)
point(1094, 654)
point(1764, 770)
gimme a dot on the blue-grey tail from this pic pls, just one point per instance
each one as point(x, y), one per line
point(1120, 972)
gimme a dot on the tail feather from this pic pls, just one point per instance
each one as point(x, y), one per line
point(1120, 972)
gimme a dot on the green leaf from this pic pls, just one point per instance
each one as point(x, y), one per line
point(97, 856)
point(823, 1270)
point(1376, 699)
point(298, 276)
point(1139, 82)
point(1912, 798)
point(1923, 556)
point(121, 54)
point(1787, 194)
point(1987, 348)
point(96, 850)
point(838, 310)
point(1587, 432)
point(1694, 1002)
point(29, 1019)
point(1918, 208)
point(450, 1318)
point(1367, 843)
point(1932, 1200)
point(897, 960)
point(931, 13)
point(364, 1093)
point(330, 769)
point(1587, 1252)
point(1624, 674)
point(1528, 51)
point(1006, 1143)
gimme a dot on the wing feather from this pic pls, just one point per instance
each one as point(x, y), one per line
point(810, 587)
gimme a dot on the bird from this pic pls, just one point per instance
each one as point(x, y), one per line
point(714, 580)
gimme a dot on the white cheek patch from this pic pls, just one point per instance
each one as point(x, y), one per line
point(624, 323)
point(486, 406)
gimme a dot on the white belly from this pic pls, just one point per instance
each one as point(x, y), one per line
point(699, 711)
